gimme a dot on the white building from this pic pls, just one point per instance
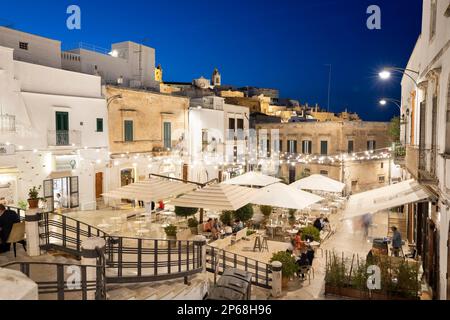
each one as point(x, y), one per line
point(217, 138)
point(53, 127)
point(426, 106)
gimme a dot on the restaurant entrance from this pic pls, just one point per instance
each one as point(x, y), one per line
point(61, 193)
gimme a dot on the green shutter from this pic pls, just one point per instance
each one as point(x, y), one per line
point(128, 131)
point(167, 135)
point(99, 125)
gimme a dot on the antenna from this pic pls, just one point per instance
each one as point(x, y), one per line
point(329, 86)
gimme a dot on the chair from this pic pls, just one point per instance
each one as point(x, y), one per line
point(306, 271)
point(17, 235)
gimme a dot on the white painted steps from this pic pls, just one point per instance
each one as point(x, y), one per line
point(163, 290)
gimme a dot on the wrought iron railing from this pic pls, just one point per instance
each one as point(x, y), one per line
point(64, 138)
point(65, 234)
point(131, 260)
point(217, 261)
point(63, 286)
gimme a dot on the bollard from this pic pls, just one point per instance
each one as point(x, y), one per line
point(277, 279)
point(200, 241)
point(32, 218)
point(92, 249)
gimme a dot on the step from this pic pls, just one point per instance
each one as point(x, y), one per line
point(145, 293)
point(121, 294)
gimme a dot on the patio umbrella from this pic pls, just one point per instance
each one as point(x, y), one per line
point(252, 179)
point(219, 197)
point(318, 182)
point(283, 196)
point(150, 190)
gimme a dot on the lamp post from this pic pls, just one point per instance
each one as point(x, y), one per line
point(385, 101)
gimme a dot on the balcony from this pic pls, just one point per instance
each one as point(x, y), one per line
point(399, 155)
point(64, 138)
point(419, 163)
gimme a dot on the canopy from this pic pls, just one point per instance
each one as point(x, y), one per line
point(318, 182)
point(385, 198)
point(220, 197)
point(284, 196)
point(151, 190)
point(252, 179)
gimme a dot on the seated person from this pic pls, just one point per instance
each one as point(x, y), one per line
point(300, 245)
point(303, 261)
point(208, 226)
point(319, 223)
point(7, 219)
point(161, 206)
point(238, 226)
point(216, 229)
point(228, 230)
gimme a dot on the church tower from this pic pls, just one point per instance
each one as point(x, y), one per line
point(216, 78)
point(159, 74)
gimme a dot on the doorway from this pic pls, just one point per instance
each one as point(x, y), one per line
point(126, 177)
point(98, 185)
point(61, 193)
point(292, 175)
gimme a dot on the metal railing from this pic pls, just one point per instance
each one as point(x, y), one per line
point(19, 211)
point(131, 260)
point(217, 261)
point(63, 286)
point(64, 138)
point(65, 234)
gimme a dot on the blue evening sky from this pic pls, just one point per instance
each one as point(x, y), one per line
point(283, 44)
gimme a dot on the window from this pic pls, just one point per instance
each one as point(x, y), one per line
point(371, 145)
point(62, 128)
point(23, 45)
point(292, 146)
point(350, 146)
point(167, 135)
point(232, 128)
point(381, 179)
point(205, 140)
point(324, 148)
point(354, 183)
point(280, 146)
point(433, 16)
point(382, 165)
point(324, 172)
point(128, 130)
point(306, 147)
point(99, 125)
point(240, 124)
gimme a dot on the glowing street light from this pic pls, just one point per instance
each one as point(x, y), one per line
point(385, 74)
point(383, 102)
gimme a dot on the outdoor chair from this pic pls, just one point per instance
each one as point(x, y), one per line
point(17, 235)
point(305, 272)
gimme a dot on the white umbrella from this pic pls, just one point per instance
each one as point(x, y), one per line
point(217, 197)
point(283, 196)
point(253, 179)
point(318, 182)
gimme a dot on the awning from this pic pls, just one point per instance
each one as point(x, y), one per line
point(151, 190)
point(385, 198)
point(252, 179)
point(318, 182)
point(59, 175)
point(219, 197)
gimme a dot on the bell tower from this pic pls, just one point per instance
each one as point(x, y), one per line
point(216, 78)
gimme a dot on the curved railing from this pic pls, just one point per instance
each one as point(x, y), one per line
point(64, 286)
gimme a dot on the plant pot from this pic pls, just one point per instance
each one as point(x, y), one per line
point(194, 231)
point(332, 290)
point(354, 293)
point(172, 240)
point(284, 282)
point(33, 203)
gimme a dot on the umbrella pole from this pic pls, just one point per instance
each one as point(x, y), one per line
point(202, 212)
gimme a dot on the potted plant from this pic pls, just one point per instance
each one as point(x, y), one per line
point(292, 219)
point(289, 266)
point(193, 225)
point(33, 197)
point(23, 205)
point(266, 211)
point(245, 213)
point(311, 233)
point(185, 212)
point(171, 233)
point(227, 218)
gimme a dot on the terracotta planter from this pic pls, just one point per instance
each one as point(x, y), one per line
point(354, 293)
point(285, 282)
point(332, 290)
point(33, 203)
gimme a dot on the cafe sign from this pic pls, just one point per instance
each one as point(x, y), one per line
point(65, 163)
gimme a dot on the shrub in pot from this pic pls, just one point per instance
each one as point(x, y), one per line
point(33, 197)
point(185, 212)
point(244, 214)
point(311, 233)
point(193, 225)
point(266, 211)
point(289, 265)
point(227, 218)
point(171, 232)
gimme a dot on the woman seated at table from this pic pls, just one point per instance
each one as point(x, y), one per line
point(300, 245)
point(208, 226)
point(216, 229)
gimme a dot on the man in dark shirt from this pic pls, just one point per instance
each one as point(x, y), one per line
point(7, 219)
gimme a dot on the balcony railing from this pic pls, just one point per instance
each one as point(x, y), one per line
point(399, 154)
point(421, 164)
point(64, 138)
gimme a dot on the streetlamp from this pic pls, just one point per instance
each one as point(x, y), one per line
point(386, 73)
point(385, 101)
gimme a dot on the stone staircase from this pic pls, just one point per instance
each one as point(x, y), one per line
point(162, 290)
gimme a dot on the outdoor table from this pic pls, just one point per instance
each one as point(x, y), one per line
point(292, 232)
point(272, 228)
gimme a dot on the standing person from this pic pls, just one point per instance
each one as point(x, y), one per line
point(7, 219)
point(397, 242)
point(366, 224)
point(319, 222)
